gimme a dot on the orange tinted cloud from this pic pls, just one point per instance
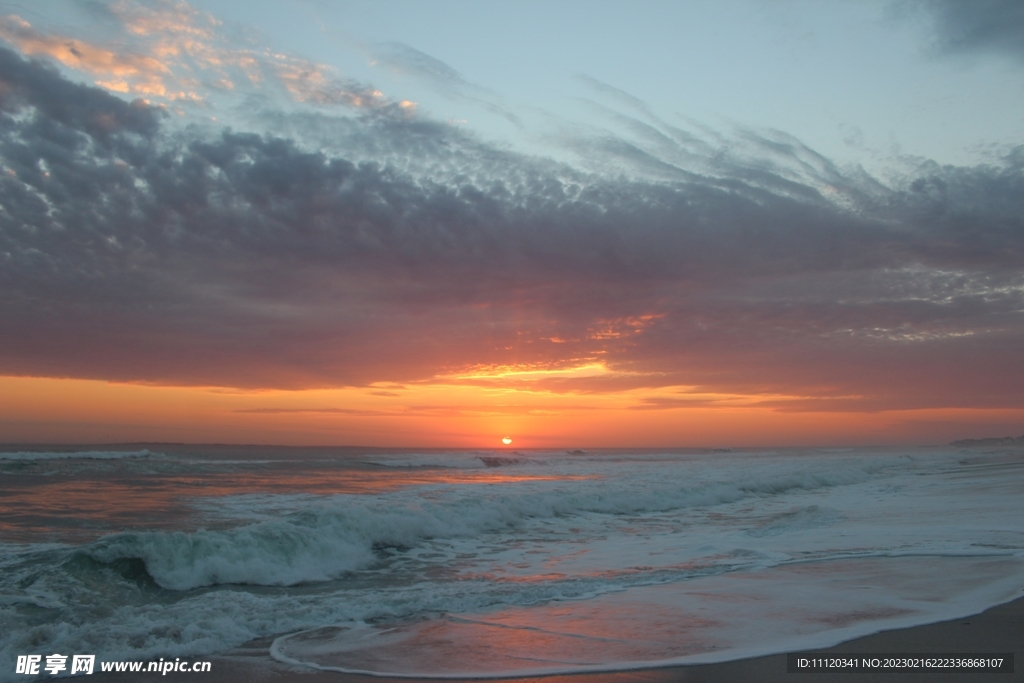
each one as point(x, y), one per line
point(121, 72)
point(177, 52)
point(178, 19)
point(315, 83)
point(172, 33)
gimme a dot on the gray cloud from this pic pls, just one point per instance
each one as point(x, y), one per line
point(402, 248)
point(978, 25)
point(90, 110)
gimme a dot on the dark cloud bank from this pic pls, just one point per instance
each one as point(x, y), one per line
point(129, 251)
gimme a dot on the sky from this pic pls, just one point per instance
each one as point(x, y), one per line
point(578, 224)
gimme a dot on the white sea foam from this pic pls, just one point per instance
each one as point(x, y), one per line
point(323, 541)
point(709, 619)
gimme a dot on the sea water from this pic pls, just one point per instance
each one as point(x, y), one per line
point(464, 563)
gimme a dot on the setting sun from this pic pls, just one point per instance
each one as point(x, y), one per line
point(506, 440)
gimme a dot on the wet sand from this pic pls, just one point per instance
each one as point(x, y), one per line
point(999, 629)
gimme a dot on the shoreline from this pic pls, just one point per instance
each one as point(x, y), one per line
point(997, 629)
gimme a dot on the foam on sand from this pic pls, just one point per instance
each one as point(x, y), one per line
point(712, 619)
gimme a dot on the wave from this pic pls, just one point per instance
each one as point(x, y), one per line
point(325, 540)
point(75, 455)
point(592, 528)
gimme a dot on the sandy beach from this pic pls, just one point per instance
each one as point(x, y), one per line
point(999, 629)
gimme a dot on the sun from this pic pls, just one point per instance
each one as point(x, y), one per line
point(506, 440)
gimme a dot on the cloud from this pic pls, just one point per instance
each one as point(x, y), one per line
point(418, 411)
point(315, 83)
point(376, 248)
point(123, 72)
point(354, 412)
point(617, 95)
point(408, 61)
point(172, 52)
point(36, 87)
point(978, 26)
point(177, 19)
point(672, 403)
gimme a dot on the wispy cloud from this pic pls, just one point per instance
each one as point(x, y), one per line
point(419, 411)
point(406, 60)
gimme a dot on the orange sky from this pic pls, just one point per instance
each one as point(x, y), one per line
point(45, 410)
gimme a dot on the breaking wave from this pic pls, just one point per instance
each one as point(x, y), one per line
point(344, 534)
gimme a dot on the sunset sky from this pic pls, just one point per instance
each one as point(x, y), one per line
point(578, 224)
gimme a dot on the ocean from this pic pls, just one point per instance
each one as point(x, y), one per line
point(495, 563)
